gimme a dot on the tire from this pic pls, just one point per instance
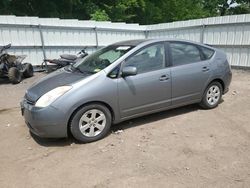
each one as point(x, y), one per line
point(14, 75)
point(28, 70)
point(91, 129)
point(212, 96)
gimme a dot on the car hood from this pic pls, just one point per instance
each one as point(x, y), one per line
point(59, 78)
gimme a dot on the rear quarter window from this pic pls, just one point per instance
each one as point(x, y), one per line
point(208, 53)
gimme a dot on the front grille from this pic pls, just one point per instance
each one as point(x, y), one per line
point(30, 102)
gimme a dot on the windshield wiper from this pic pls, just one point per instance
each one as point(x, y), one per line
point(81, 71)
point(78, 69)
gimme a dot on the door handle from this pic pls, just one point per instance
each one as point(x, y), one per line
point(164, 78)
point(205, 69)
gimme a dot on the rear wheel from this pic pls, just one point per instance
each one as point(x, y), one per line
point(212, 96)
point(28, 70)
point(14, 75)
point(91, 123)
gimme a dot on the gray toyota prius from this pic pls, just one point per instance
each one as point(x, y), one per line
point(123, 81)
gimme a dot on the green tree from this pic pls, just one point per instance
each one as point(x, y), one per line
point(130, 11)
point(123, 10)
point(4, 6)
point(225, 7)
point(173, 10)
point(99, 15)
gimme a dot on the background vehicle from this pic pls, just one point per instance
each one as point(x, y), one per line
point(123, 81)
point(64, 60)
point(11, 66)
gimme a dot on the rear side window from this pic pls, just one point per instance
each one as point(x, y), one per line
point(183, 53)
point(208, 53)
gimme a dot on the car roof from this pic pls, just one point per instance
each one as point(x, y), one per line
point(131, 42)
point(148, 41)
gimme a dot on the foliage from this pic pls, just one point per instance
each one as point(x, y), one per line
point(140, 11)
point(100, 15)
point(226, 7)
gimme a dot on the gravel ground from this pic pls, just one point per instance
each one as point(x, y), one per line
point(185, 147)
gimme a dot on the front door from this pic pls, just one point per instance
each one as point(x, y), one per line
point(150, 89)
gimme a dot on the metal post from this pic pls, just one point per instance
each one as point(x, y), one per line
point(202, 33)
point(96, 37)
point(146, 32)
point(43, 48)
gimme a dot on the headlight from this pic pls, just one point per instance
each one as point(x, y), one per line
point(51, 96)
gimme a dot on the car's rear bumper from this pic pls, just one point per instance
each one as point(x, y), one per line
point(227, 81)
point(44, 122)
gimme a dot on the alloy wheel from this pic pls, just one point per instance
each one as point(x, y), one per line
point(92, 122)
point(213, 95)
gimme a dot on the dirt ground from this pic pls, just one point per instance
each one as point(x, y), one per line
point(185, 147)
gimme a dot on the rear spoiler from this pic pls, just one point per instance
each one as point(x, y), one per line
point(209, 45)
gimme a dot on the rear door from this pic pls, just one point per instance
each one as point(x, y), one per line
point(190, 72)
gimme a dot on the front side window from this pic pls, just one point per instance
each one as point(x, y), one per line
point(114, 73)
point(101, 58)
point(183, 53)
point(148, 59)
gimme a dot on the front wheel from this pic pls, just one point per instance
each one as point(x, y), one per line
point(212, 96)
point(90, 123)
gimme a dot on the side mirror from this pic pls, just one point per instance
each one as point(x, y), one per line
point(129, 71)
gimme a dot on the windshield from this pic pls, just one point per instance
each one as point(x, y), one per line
point(102, 58)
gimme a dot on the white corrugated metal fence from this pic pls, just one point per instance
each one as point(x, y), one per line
point(49, 37)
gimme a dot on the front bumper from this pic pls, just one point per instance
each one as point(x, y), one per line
point(46, 122)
